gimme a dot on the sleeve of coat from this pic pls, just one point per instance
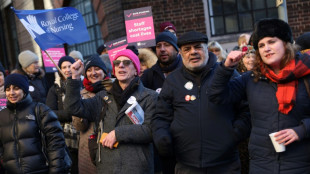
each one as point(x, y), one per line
point(52, 102)
point(84, 108)
point(161, 121)
point(55, 140)
point(224, 89)
point(136, 133)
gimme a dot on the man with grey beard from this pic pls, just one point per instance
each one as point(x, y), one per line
point(202, 135)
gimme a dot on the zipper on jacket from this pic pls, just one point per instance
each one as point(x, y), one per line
point(15, 139)
point(200, 125)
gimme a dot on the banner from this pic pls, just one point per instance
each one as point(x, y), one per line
point(53, 27)
point(115, 46)
point(56, 54)
point(140, 27)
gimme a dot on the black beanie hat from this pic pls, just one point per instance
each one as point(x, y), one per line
point(18, 80)
point(101, 48)
point(2, 69)
point(192, 37)
point(304, 41)
point(167, 36)
point(133, 49)
point(95, 60)
point(65, 58)
point(271, 28)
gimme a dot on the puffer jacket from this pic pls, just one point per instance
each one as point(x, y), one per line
point(21, 140)
point(266, 119)
point(134, 154)
point(199, 132)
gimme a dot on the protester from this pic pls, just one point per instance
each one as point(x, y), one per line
point(277, 94)
point(147, 59)
point(19, 132)
point(102, 49)
point(202, 135)
point(107, 62)
point(96, 79)
point(168, 61)
point(218, 50)
point(76, 55)
point(134, 153)
point(168, 26)
point(2, 75)
point(304, 42)
point(248, 59)
point(29, 66)
point(55, 100)
point(243, 40)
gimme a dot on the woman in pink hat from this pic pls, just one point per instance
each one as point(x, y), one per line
point(122, 115)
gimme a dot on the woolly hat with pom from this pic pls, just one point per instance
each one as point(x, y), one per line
point(130, 55)
point(271, 28)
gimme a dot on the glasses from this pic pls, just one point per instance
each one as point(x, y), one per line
point(125, 62)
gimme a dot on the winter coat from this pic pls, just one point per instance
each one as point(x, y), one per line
point(154, 77)
point(55, 99)
point(38, 86)
point(134, 153)
point(21, 140)
point(199, 133)
point(266, 119)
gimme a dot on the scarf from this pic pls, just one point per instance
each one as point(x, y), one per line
point(121, 96)
point(98, 86)
point(287, 81)
point(172, 66)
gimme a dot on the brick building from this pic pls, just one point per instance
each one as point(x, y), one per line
point(221, 20)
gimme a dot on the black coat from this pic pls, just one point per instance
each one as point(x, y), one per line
point(200, 133)
point(154, 77)
point(21, 140)
point(266, 119)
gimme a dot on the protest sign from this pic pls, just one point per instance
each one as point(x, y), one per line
point(2, 104)
point(140, 27)
point(116, 46)
point(56, 54)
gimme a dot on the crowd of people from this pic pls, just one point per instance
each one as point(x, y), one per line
point(185, 106)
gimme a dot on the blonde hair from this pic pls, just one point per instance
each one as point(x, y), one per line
point(216, 45)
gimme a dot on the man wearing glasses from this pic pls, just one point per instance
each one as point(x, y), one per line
point(202, 135)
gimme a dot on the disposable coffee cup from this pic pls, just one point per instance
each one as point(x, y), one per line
point(278, 147)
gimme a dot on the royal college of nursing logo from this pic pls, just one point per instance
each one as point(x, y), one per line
point(32, 26)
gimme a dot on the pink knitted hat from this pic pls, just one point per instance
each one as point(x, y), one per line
point(130, 55)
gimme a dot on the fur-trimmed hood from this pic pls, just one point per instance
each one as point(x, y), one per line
point(147, 57)
point(40, 74)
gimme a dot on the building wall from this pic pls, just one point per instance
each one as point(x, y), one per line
point(298, 12)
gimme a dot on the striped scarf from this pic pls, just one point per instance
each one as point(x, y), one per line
point(287, 81)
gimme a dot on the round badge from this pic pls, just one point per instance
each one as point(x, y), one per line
point(131, 100)
point(187, 98)
point(158, 90)
point(189, 85)
point(193, 98)
point(31, 88)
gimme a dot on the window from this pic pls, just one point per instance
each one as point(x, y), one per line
point(236, 16)
point(87, 48)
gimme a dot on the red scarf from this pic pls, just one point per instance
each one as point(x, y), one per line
point(287, 82)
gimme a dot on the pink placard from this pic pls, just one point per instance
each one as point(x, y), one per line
point(56, 54)
point(140, 27)
point(2, 102)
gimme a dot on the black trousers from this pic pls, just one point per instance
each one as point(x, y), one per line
point(229, 168)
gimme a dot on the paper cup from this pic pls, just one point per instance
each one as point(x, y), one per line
point(278, 147)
